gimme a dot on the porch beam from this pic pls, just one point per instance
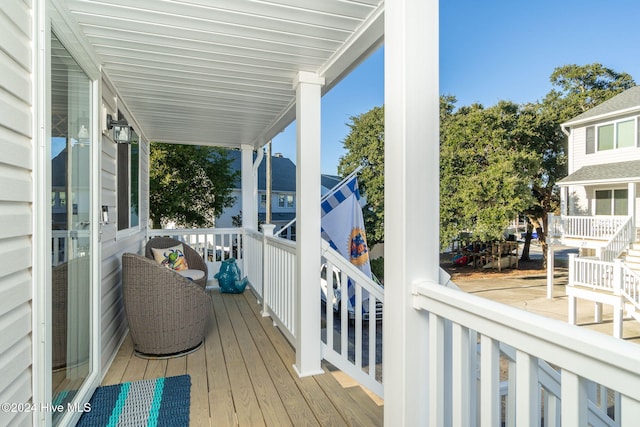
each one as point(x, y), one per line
point(411, 204)
point(307, 331)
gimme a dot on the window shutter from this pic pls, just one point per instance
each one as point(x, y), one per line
point(591, 140)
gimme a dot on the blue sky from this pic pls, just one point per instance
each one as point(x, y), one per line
point(491, 51)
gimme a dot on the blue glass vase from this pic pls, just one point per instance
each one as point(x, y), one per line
point(229, 277)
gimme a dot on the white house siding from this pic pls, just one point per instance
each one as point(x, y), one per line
point(114, 244)
point(16, 212)
point(578, 157)
point(581, 199)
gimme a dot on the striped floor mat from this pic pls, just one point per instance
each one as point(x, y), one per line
point(158, 402)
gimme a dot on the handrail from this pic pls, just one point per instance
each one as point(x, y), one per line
point(619, 241)
point(630, 288)
point(605, 360)
point(585, 227)
point(352, 340)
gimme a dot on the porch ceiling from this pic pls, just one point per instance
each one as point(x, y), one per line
point(220, 72)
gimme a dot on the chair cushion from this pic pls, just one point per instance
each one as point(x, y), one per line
point(172, 257)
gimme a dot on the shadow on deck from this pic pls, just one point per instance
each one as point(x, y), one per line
point(243, 375)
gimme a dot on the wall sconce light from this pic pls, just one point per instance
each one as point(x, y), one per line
point(121, 130)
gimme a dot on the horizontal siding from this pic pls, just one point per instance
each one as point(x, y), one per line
point(578, 157)
point(114, 244)
point(16, 211)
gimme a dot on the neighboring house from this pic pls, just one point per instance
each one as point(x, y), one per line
point(604, 158)
point(283, 193)
point(599, 200)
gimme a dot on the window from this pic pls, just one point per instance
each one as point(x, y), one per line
point(610, 136)
point(263, 200)
point(611, 202)
point(290, 201)
point(281, 200)
point(128, 184)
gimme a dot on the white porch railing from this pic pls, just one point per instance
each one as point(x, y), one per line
point(280, 289)
point(214, 244)
point(585, 227)
point(352, 340)
point(253, 250)
point(630, 286)
point(603, 282)
point(458, 321)
point(620, 241)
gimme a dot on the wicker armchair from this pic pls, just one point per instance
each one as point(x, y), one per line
point(194, 259)
point(167, 313)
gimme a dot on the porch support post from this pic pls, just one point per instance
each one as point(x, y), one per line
point(248, 183)
point(411, 182)
point(308, 350)
point(550, 268)
point(631, 206)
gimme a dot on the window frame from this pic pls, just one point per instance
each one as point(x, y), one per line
point(593, 135)
point(611, 199)
point(120, 226)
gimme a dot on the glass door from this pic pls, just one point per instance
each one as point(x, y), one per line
point(71, 214)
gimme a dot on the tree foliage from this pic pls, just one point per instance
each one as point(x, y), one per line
point(189, 184)
point(496, 163)
point(365, 147)
point(484, 171)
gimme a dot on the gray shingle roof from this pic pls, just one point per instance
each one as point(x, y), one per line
point(626, 100)
point(283, 172)
point(612, 172)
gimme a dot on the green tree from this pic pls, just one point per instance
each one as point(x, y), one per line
point(189, 184)
point(365, 147)
point(484, 171)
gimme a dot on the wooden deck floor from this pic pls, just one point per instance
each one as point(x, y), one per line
point(243, 375)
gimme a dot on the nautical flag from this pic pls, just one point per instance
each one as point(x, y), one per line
point(343, 224)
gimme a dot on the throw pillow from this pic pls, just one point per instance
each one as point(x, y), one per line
point(172, 257)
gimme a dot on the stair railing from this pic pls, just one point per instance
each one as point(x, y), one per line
point(620, 240)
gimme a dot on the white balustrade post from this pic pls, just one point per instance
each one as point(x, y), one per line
point(617, 291)
point(630, 411)
point(572, 299)
point(308, 242)
point(631, 206)
point(267, 231)
point(550, 268)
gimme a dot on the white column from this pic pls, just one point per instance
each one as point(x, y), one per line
point(550, 268)
point(411, 202)
point(248, 182)
point(308, 351)
point(631, 205)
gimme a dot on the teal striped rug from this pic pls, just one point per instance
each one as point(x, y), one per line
point(159, 402)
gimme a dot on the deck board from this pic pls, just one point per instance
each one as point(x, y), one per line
point(243, 375)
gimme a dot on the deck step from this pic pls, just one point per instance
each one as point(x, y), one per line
point(632, 259)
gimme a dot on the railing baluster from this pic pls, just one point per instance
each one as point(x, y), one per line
point(463, 376)
point(489, 382)
point(436, 370)
point(573, 400)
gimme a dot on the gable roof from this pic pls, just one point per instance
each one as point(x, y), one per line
point(623, 103)
point(605, 173)
point(283, 172)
